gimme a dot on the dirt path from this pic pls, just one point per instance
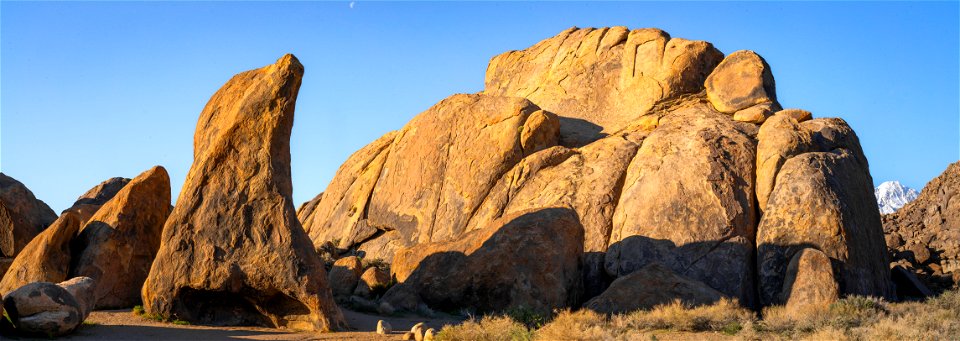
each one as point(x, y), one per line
point(123, 325)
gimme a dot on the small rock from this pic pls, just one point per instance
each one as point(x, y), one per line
point(417, 331)
point(43, 308)
point(920, 253)
point(429, 335)
point(798, 114)
point(384, 327)
point(82, 289)
point(756, 114)
point(408, 336)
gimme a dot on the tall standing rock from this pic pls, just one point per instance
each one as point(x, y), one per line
point(688, 203)
point(46, 258)
point(22, 216)
point(232, 251)
point(117, 245)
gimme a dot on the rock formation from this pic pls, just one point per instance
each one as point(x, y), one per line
point(22, 216)
point(666, 151)
point(46, 258)
point(91, 201)
point(528, 259)
point(924, 235)
point(83, 289)
point(232, 251)
point(344, 275)
point(117, 245)
point(43, 309)
point(651, 286)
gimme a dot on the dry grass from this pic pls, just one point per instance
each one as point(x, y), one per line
point(852, 318)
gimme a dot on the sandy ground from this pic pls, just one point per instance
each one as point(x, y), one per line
point(123, 325)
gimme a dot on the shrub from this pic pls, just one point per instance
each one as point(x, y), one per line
point(724, 315)
point(528, 317)
point(489, 328)
point(579, 325)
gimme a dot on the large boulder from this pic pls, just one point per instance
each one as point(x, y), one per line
point(43, 309)
point(742, 80)
point(117, 245)
point(809, 284)
point(46, 258)
point(372, 279)
point(344, 275)
point(688, 202)
point(823, 200)
point(232, 251)
point(527, 259)
point(22, 216)
point(440, 166)
point(651, 286)
point(83, 289)
point(600, 80)
point(924, 235)
point(91, 201)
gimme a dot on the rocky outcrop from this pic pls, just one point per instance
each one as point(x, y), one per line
point(924, 235)
point(528, 259)
point(42, 309)
point(701, 221)
point(22, 216)
point(118, 244)
point(649, 287)
point(91, 201)
point(824, 200)
point(232, 251)
point(601, 80)
point(46, 258)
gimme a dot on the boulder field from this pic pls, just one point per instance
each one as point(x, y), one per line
point(610, 169)
point(665, 150)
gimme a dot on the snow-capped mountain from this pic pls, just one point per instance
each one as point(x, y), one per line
point(891, 196)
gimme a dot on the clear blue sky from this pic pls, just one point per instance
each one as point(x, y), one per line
point(100, 89)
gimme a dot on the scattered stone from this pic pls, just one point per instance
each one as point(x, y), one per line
point(429, 335)
point(22, 216)
point(798, 114)
point(408, 336)
point(417, 331)
point(756, 114)
point(384, 328)
point(43, 309)
point(232, 251)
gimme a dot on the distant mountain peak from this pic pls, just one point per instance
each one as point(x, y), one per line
point(891, 196)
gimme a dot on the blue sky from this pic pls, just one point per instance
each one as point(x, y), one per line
point(94, 90)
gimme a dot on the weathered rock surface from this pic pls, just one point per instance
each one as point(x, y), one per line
point(442, 164)
point(809, 284)
point(232, 251)
point(651, 286)
point(924, 235)
point(91, 201)
point(600, 80)
point(824, 200)
point(42, 309)
point(372, 279)
point(83, 289)
point(118, 244)
point(22, 216)
point(701, 220)
point(344, 275)
point(742, 80)
point(528, 259)
point(46, 258)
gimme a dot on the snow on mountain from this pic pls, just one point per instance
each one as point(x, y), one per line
point(891, 196)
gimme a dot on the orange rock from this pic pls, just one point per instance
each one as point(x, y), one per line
point(22, 216)
point(46, 258)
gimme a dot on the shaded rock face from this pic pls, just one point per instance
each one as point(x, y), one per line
point(118, 244)
point(924, 235)
point(688, 203)
point(46, 258)
point(344, 275)
point(232, 251)
point(22, 216)
point(824, 200)
point(600, 80)
point(43, 309)
point(651, 286)
point(372, 279)
point(664, 153)
point(91, 201)
point(528, 259)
